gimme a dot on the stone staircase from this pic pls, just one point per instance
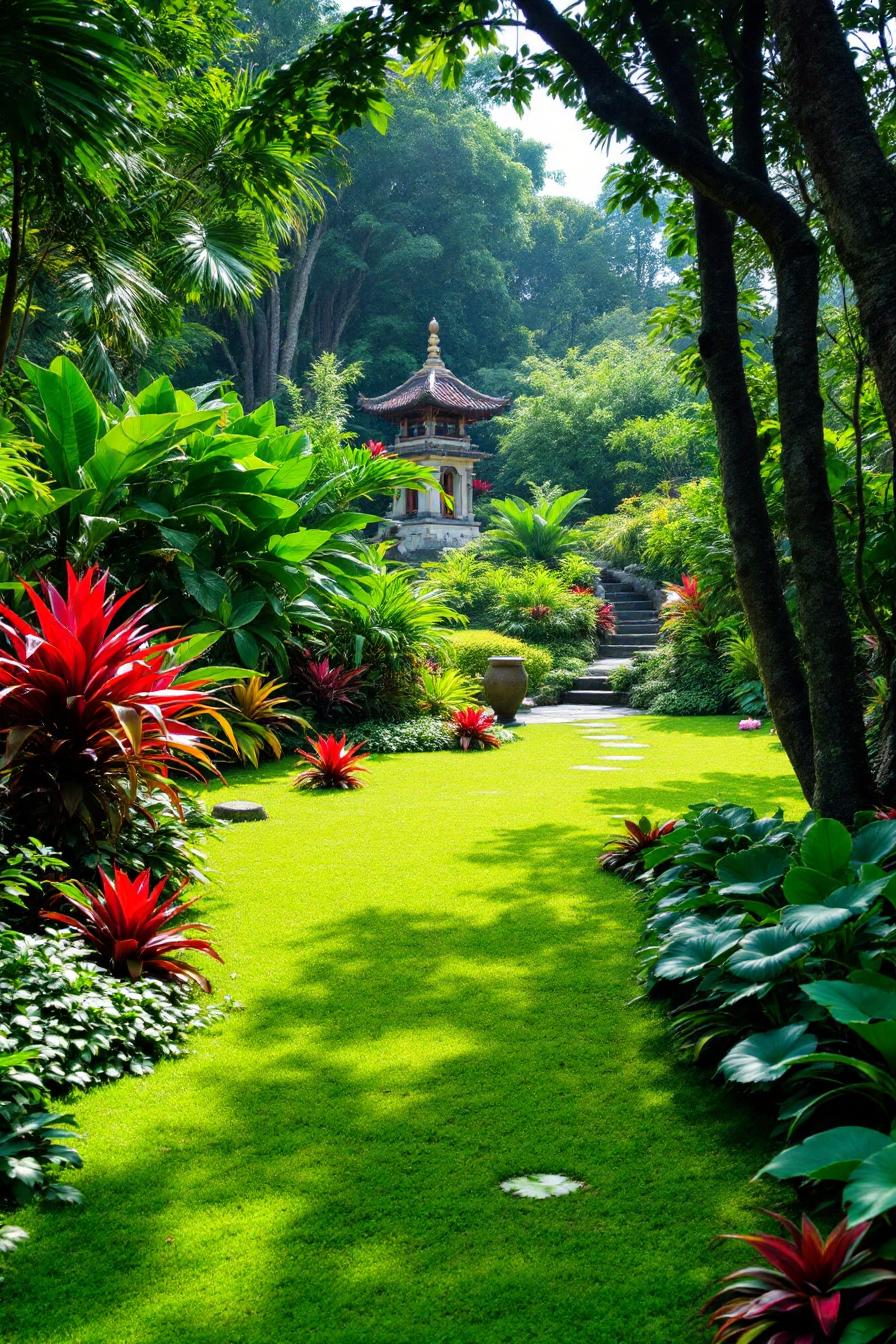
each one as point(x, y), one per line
point(637, 630)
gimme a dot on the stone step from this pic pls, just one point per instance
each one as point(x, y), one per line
point(637, 641)
point(594, 698)
point(601, 682)
point(635, 625)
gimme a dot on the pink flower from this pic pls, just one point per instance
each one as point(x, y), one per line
point(481, 486)
point(749, 725)
point(375, 447)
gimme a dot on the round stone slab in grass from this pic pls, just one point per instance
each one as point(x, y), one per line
point(544, 1185)
point(239, 811)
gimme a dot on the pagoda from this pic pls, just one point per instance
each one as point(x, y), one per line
point(433, 410)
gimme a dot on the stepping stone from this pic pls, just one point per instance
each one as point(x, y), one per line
point(622, 758)
point(595, 767)
point(239, 811)
point(603, 737)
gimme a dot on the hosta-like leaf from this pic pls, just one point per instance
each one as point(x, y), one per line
point(767, 1055)
point(871, 1189)
point(766, 953)
point(875, 842)
point(688, 955)
point(847, 1001)
point(827, 846)
point(749, 872)
point(810, 920)
point(805, 886)
point(829, 1156)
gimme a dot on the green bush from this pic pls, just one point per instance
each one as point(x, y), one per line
point(558, 681)
point(86, 1025)
point(673, 681)
point(427, 732)
point(34, 1145)
point(575, 568)
point(470, 651)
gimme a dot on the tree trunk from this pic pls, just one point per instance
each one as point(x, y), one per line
point(842, 772)
point(11, 283)
point(855, 181)
point(303, 258)
point(247, 360)
point(755, 558)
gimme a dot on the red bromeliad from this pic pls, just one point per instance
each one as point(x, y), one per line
point(684, 600)
point(481, 487)
point(605, 618)
point(89, 711)
point(328, 687)
point(581, 590)
point(540, 612)
point(622, 853)
point(135, 927)
point(812, 1291)
point(474, 728)
point(333, 763)
point(376, 448)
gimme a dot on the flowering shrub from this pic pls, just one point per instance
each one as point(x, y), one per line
point(133, 928)
point(333, 763)
point(474, 727)
point(89, 713)
point(749, 725)
point(376, 448)
point(482, 487)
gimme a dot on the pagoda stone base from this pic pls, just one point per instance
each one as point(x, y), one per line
point(416, 535)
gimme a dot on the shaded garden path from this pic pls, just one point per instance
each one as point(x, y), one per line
point(436, 984)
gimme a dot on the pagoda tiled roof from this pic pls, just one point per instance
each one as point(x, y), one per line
point(434, 385)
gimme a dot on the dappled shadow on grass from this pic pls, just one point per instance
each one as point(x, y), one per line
point(339, 1181)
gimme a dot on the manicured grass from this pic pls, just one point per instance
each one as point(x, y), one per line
point(437, 988)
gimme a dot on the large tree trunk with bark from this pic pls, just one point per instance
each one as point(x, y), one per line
point(855, 181)
point(756, 565)
point(303, 257)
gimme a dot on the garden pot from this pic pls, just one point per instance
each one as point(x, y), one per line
point(504, 685)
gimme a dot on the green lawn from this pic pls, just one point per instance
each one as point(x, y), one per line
point(437, 988)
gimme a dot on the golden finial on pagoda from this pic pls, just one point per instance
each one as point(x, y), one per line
point(433, 348)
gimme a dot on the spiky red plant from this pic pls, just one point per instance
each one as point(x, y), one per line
point(328, 687)
point(581, 590)
point(813, 1289)
point(135, 927)
point(622, 853)
point(605, 618)
point(540, 612)
point(333, 763)
point(89, 712)
point(886, 814)
point(482, 487)
point(376, 448)
point(684, 600)
point(474, 727)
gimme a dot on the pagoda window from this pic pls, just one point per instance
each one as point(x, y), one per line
point(446, 429)
point(448, 493)
point(411, 503)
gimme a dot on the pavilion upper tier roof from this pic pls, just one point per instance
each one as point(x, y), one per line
point(434, 385)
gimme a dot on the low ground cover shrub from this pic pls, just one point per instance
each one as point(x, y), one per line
point(426, 732)
point(85, 1025)
point(674, 681)
point(470, 650)
point(166, 840)
point(34, 1142)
